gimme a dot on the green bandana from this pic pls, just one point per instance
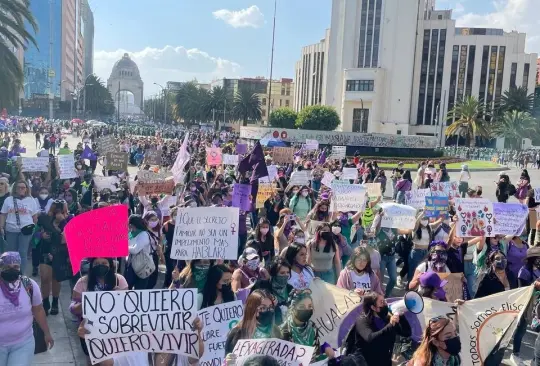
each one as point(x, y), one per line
point(262, 332)
point(133, 234)
point(199, 275)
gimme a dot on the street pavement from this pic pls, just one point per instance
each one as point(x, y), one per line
point(67, 349)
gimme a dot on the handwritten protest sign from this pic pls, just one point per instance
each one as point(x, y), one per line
point(327, 179)
point(217, 321)
point(398, 216)
point(283, 155)
point(102, 183)
point(148, 176)
point(230, 159)
point(417, 197)
point(373, 189)
point(338, 152)
point(153, 157)
point(272, 172)
point(107, 144)
point(510, 218)
point(454, 287)
point(265, 192)
point(97, 233)
point(347, 198)
point(241, 148)
point(445, 189)
point(66, 165)
point(122, 322)
point(35, 164)
point(286, 353)
point(241, 194)
point(475, 217)
point(213, 156)
point(117, 161)
point(312, 144)
point(146, 188)
point(201, 233)
point(299, 178)
point(436, 206)
point(349, 173)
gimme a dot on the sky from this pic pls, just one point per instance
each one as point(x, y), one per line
point(182, 40)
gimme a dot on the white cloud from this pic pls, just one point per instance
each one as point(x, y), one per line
point(520, 15)
point(168, 64)
point(249, 17)
point(458, 8)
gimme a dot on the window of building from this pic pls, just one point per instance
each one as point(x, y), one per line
point(423, 79)
point(491, 76)
point(500, 72)
point(513, 73)
point(470, 70)
point(483, 74)
point(526, 70)
point(286, 102)
point(453, 77)
point(360, 120)
point(360, 85)
point(280, 102)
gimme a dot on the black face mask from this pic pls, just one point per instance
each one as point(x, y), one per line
point(100, 270)
point(265, 317)
point(383, 313)
point(304, 315)
point(10, 275)
point(453, 346)
point(327, 236)
point(226, 288)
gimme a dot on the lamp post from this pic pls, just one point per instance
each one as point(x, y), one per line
point(165, 90)
point(84, 87)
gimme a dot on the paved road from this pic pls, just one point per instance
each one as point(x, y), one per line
point(67, 350)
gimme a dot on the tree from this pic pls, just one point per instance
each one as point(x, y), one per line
point(469, 122)
point(13, 33)
point(218, 103)
point(515, 126)
point(247, 106)
point(188, 103)
point(318, 117)
point(516, 99)
point(283, 117)
point(99, 101)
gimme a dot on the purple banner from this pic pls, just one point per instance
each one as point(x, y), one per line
point(240, 199)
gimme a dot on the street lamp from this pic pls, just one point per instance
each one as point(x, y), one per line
point(165, 94)
point(84, 87)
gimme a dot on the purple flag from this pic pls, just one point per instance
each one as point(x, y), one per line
point(322, 157)
point(241, 148)
point(240, 199)
point(88, 154)
point(254, 161)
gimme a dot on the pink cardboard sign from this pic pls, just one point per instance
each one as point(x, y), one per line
point(98, 233)
point(213, 156)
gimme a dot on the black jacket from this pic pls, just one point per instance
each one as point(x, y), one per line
point(490, 284)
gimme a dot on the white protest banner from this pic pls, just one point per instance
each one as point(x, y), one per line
point(336, 311)
point(349, 173)
point(445, 189)
point(417, 197)
point(217, 321)
point(347, 198)
point(373, 189)
point(312, 144)
point(398, 216)
point(299, 178)
point(338, 152)
point(35, 164)
point(475, 217)
point(286, 353)
point(272, 172)
point(140, 320)
point(230, 159)
point(106, 183)
point(327, 179)
point(66, 165)
point(510, 218)
point(487, 324)
point(201, 233)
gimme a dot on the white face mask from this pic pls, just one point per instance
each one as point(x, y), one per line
point(43, 196)
point(153, 224)
point(336, 229)
point(253, 264)
point(305, 194)
point(295, 191)
point(264, 231)
point(424, 222)
point(301, 240)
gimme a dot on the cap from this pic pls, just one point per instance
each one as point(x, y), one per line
point(532, 252)
point(431, 279)
point(250, 253)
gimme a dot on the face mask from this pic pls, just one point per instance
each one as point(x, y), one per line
point(43, 196)
point(295, 191)
point(439, 257)
point(500, 264)
point(424, 222)
point(264, 231)
point(10, 275)
point(265, 317)
point(225, 288)
point(100, 270)
point(336, 229)
point(305, 194)
point(69, 199)
point(280, 281)
point(154, 200)
point(253, 264)
point(299, 240)
point(326, 236)
point(193, 189)
point(153, 224)
point(453, 346)
point(79, 167)
point(303, 315)
point(383, 313)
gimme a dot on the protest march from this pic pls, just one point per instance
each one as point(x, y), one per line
point(203, 248)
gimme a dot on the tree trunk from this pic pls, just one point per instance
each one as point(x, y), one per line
point(244, 123)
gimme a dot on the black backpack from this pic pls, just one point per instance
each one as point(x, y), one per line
point(511, 190)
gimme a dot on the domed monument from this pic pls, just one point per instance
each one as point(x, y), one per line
point(125, 77)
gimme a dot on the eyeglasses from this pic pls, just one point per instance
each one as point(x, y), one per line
point(264, 308)
point(59, 202)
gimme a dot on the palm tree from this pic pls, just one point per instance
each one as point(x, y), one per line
point(516, 99)
point(13, 33)
point(247, 106)
point(99, 100)
point(469, 122)
point(218, 98)
point(187, 104)
point(515, 126)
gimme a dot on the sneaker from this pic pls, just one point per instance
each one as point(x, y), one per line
point(516, 360)
point(399, 282)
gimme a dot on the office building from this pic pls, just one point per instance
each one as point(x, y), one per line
point(87, 31)
point(398, 67)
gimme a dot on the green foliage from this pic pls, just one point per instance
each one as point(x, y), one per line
point(13, 33)
point(515, 126)
point(99, 101)
point(516, 99)
point(318, 117)
point(283, 117)
point(469, 120)
point(246, 106)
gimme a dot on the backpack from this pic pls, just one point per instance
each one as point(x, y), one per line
point(39, 335)
point(511, 190)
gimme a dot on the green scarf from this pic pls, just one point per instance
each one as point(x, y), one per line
point(303, 335)
point(199, 275)
point(133, 234)
point(262, 332)
point(452, 361)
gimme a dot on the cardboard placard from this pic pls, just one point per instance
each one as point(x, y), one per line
point(283, 155)
point(117, 161)
point(153, 157)
point(66, 165)
point(107, 144)
point(35, 164)
point(165, 186)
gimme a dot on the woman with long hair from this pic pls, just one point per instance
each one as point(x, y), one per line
point(141, 239)
point(358, 275)
point(217, 289)
point(152, 221)
point(324, 254)
point(404, 184)
point(301, 272)
point(301, 203)
point(168, 234)
point(464, 178)
point(440, 344)
point(263, 241)
point(498, 278)
point(193, 275)
point(257, 322)
point(523, 186)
